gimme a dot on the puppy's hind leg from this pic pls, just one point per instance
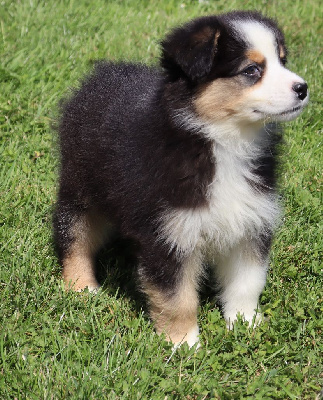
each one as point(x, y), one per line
point(79, 235)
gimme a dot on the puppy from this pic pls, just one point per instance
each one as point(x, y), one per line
point(180, 159)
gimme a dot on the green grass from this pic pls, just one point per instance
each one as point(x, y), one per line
point(57, 345)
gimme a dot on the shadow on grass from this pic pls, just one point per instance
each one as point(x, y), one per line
point(117, 273)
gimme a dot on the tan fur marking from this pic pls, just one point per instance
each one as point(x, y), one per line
point(256, 56)
point(176, 315)
point(219, 99)
point(78, 272)
point(282, 53)
point(78, 265)
point(216, 38)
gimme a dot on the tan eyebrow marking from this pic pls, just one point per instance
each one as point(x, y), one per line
point(282, 53)
point(256, 56)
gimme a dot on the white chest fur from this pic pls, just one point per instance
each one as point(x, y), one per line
point(235, 209)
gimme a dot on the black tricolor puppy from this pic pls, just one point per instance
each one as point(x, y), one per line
point(180, 159)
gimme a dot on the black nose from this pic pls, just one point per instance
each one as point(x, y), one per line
point(300, 89)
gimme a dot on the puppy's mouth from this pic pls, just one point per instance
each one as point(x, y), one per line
point(282, 115)
point(291, 111)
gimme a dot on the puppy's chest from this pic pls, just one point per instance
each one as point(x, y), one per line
point(234, 209)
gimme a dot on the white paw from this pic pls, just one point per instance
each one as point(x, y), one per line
point(253, 319)
point(94, 289)
point(191, 338)
point(91, 289)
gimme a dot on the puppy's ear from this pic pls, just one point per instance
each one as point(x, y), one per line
point(190, 49)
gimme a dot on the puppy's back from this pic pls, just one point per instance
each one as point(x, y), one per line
point(108, 134)
point(112, 94)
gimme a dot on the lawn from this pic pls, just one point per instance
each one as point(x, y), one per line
point(58, 345)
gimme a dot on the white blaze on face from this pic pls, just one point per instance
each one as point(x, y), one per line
point(273, 95)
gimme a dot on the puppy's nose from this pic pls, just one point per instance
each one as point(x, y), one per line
point(300, 88)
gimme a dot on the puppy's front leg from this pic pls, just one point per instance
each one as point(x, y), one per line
point(241, 275)
point(173, 297)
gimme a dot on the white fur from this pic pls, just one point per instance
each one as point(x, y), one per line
point(91, 289)
point(192, 337)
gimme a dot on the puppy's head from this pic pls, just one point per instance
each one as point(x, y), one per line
point(235, 65)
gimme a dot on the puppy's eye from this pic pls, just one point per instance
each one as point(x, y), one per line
point(252, 71)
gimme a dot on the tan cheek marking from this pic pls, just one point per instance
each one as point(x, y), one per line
point(220, 99)
point(256, 56)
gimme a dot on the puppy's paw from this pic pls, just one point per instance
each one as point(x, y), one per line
point(79, 286)
point(91, 289)
point(178, 339)
point(192, 337)
point(253, 319)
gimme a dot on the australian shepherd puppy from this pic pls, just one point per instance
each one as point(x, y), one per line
point(180, 159)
